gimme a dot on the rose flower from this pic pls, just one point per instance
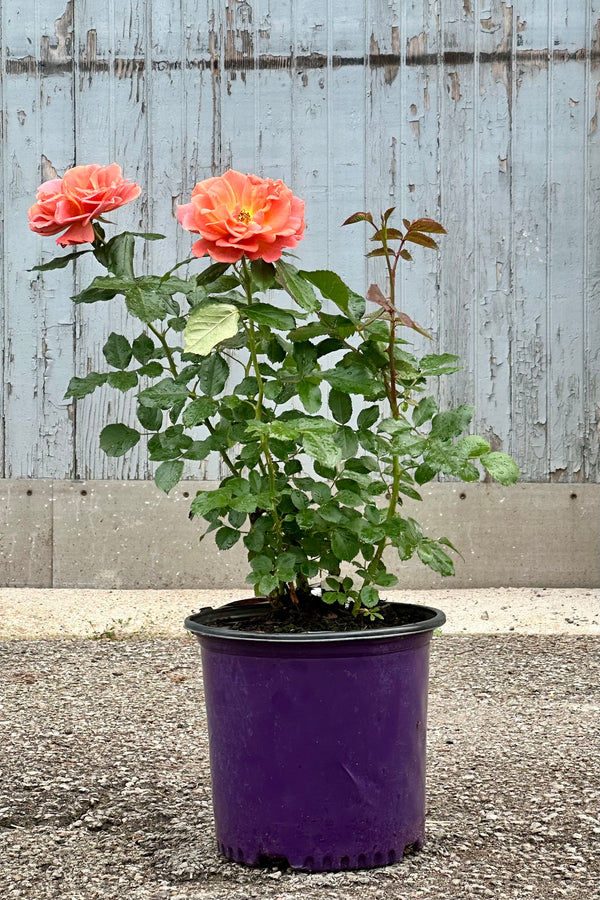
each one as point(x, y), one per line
point(243, 215)
point(72, 202)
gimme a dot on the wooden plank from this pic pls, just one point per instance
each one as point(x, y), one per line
point(492, 321)
point(310, 107)
point(458, 319)
point(417, 166)
point(530, 246)
point(346, 141)
point(194, 87)
point(111, 125)
point(384, 140)
point(38, 319)
point(591, 225)
point(567, 125)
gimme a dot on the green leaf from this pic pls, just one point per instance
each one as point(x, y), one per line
point(347, 440)
point(367, 417)
point(209, 325)
point(305, 357)
point(236, 519)
point(385, 579)
point(344, 544)
point(198, 411)
point(226, 537)
point(340, 405)
point(327, 472)
point(255, 539)
point(306, 332)
point(267, 584)
point(501, 467)
point(163, 394)
point(393, 426)
point(152, 370)
point(263, 275)
point(168, 474)
point(143, 348)
point(433, 556)
point(299, 499)
point(310, 395)
point(117, 255)
point(406, 442)
point(439, 364)
point(117, 351)
point(349, 498)
point(116, 440)
point(81, 387)
point(355, 379)
point(322, 447)
point(409, 492)
point(247, 387)
point(333, 288)
point(214, 373)
point(424, 411)
point(296, 286)
point(266, 314)
point(123, 381)
point(150, 417)
point(369, 596)
point(452, 423)
point(145, 303)
point(59, 262)
point(148, 235)
point(424, 473)
point(472, 445)
point(94, 294)
point(177, 324)
point(211, 273)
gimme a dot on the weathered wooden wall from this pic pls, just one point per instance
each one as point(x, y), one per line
point(481, 113)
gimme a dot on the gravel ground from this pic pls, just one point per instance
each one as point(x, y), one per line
point(47, 613)
point(105, 791)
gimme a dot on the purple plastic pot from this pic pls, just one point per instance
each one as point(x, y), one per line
point(317, 741)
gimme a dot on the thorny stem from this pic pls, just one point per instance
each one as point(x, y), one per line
point(161, 337)
point(246, 280)
point(392, 392)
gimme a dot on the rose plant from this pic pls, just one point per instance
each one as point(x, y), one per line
point(317, 407)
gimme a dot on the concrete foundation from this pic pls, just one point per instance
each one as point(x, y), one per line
point(128, 534)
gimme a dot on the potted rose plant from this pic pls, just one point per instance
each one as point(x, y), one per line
point(316, 688)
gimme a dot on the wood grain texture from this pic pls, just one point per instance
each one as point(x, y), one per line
point(38, 315)
point(482, 115)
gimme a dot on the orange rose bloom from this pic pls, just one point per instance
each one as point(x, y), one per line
point(71, 202)
point(243, 215)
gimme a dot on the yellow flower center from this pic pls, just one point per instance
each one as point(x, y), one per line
point(244, 216)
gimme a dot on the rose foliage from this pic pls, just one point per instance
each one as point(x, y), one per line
point(316, 405)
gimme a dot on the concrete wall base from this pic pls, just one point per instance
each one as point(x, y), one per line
point(128, 534)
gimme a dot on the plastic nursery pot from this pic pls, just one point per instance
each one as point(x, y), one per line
point(317, 741)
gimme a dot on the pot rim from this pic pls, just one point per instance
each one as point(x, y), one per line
point(202, 623)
